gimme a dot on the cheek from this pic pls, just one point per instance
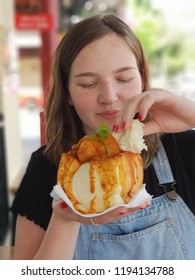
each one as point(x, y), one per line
point(137, 84)
point(78, 100)
point(81, 99)
point(132, 89)
point(79, 105)
point(137, 88)
point(82, 104)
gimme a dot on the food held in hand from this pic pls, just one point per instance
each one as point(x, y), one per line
point(96, 174)
point(131, 139)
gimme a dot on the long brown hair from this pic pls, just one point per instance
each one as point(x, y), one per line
point(63, 125)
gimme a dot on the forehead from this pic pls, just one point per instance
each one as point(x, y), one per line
point(110, 49)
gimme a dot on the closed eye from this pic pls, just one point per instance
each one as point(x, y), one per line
point(91, 85)
point(123, 80)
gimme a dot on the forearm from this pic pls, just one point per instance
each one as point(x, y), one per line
point(60, 240)
point(170, 113)
point(185, 110)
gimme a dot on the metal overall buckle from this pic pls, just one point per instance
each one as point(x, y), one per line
point(170, 190)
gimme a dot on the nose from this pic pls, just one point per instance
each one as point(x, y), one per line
point(108, 93)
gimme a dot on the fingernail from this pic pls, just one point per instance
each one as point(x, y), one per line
point(113, 129)
point(140, 117)
point(122, 212)
point(63, 205)
point(141, 208)
point(123, 125)
point(148, 203)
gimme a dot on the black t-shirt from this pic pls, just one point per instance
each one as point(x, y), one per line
point(33, 198)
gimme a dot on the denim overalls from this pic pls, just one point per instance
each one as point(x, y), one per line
point(164, 230)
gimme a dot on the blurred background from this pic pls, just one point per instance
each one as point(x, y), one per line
point(30, 30)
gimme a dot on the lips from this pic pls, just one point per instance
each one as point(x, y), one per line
point(109, 115)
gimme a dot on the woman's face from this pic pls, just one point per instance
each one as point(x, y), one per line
point(103, 77)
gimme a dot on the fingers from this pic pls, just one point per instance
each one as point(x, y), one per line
point(65, 213)
point(131, 111)
point(62, 209)
point(135, 108)
point(108, 217)
point(140, 207)
point(141, 105)
point(151, 127)
point(119, 213)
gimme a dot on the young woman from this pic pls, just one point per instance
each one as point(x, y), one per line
point(100, 75)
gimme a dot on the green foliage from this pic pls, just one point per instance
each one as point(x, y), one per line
point(163, 47)
point(145, 4)
point(103, 131)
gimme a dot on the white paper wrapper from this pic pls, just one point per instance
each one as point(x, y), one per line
point(141, 197)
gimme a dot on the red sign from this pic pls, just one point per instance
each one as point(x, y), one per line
point(42, 22)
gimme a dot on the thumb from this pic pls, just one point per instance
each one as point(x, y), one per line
point(151, 127)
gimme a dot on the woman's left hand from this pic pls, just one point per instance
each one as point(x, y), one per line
point(65, 213)
point(170, 113)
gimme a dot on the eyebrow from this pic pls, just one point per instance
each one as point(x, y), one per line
point(92, 74)
point(85, 74)
point(122, 69)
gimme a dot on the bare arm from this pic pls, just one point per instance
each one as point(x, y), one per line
point(28, 239)
point(59, 240)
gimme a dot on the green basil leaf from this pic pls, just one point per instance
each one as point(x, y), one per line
point(104, 131)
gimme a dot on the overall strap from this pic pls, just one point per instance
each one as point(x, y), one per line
point(163, 172)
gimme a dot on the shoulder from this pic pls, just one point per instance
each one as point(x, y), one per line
point(39, 152)
point(182, 136)
point(40, 164)
point(180, 149)
point(181, 143)
point(38, 156)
